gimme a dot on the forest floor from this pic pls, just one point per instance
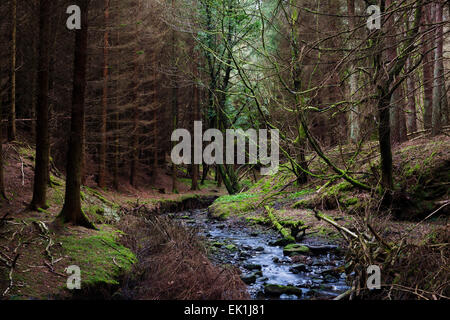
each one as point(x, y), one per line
point(35, 252)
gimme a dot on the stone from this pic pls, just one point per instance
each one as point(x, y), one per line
point(295, 249)
point(278, 290)
point(253, 267)
point(299, 268)
point(249, 279)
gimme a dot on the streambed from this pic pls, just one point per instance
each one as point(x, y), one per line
point(265, 268)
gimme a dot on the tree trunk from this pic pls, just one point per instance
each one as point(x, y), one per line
point(384, 133)
point(174, 105)
point(72, 211)
point(102, 151)
point(353, 81)
point(411, 121)
point(34, 74)
point(42, 137)
point(195, 167)
point(438, 71)
point(117, 124)
point(155, 119)
point(428, 66)
point(2, 180)
point(12, 111)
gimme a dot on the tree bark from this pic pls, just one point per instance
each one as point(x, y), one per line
point(411, 121)
point(438, 71)
point(102, 151)
point(72, 211)
point(353, 81)
point(195, 167)
point(12, 111)
point(2, 180)
point(428, 66)
point(41, 171)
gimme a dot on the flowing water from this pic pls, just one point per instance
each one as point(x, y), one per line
point(251, 249)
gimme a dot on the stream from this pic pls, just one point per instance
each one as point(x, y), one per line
point(252, 250)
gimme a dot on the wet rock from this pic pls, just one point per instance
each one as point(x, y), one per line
point(252, 267)
point(322, 249)
point(244, 254)
point(231, 247)
point(302, 259)
point(278, 290)
point(295, 249)
point(281, 242)
point(299, 268)
point(335, 272)
point(218, 244)
point(249, 279)
point(259, 249)
point(276, 260)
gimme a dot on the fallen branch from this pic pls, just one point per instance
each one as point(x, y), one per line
point(321, 216)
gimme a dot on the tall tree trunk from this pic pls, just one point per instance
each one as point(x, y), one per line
point(34, 74)
point(102, 151)
point(384, 136)
point(391, 55)
point(438, 71)
point(155, 118)
point(411, 121)
point(353, 81)
point(42, 137)
point(12, 111)
point(136, 105)
point(197, 117)
point(2, 180)
point(117, 124)
point(72, 211)
point(428, 65)
point(174, 103)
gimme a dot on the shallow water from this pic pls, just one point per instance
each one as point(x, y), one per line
point(252, 247)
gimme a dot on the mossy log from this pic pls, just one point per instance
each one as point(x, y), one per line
point(285, 232)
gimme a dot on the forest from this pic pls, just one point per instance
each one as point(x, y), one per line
point(224, 150)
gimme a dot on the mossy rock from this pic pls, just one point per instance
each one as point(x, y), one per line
point(278, 290)
point(295, 249)
point(231, 247)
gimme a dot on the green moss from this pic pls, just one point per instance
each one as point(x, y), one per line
point(275, 289)
point(99, 196)
point(43, 211)
point(231, 247)
point(295, 249)
point(56, 181)
point(351, 202)
point(235, 197)
point(309, 203)
point(238, 204)
point(257, 220)
point(99, 256)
